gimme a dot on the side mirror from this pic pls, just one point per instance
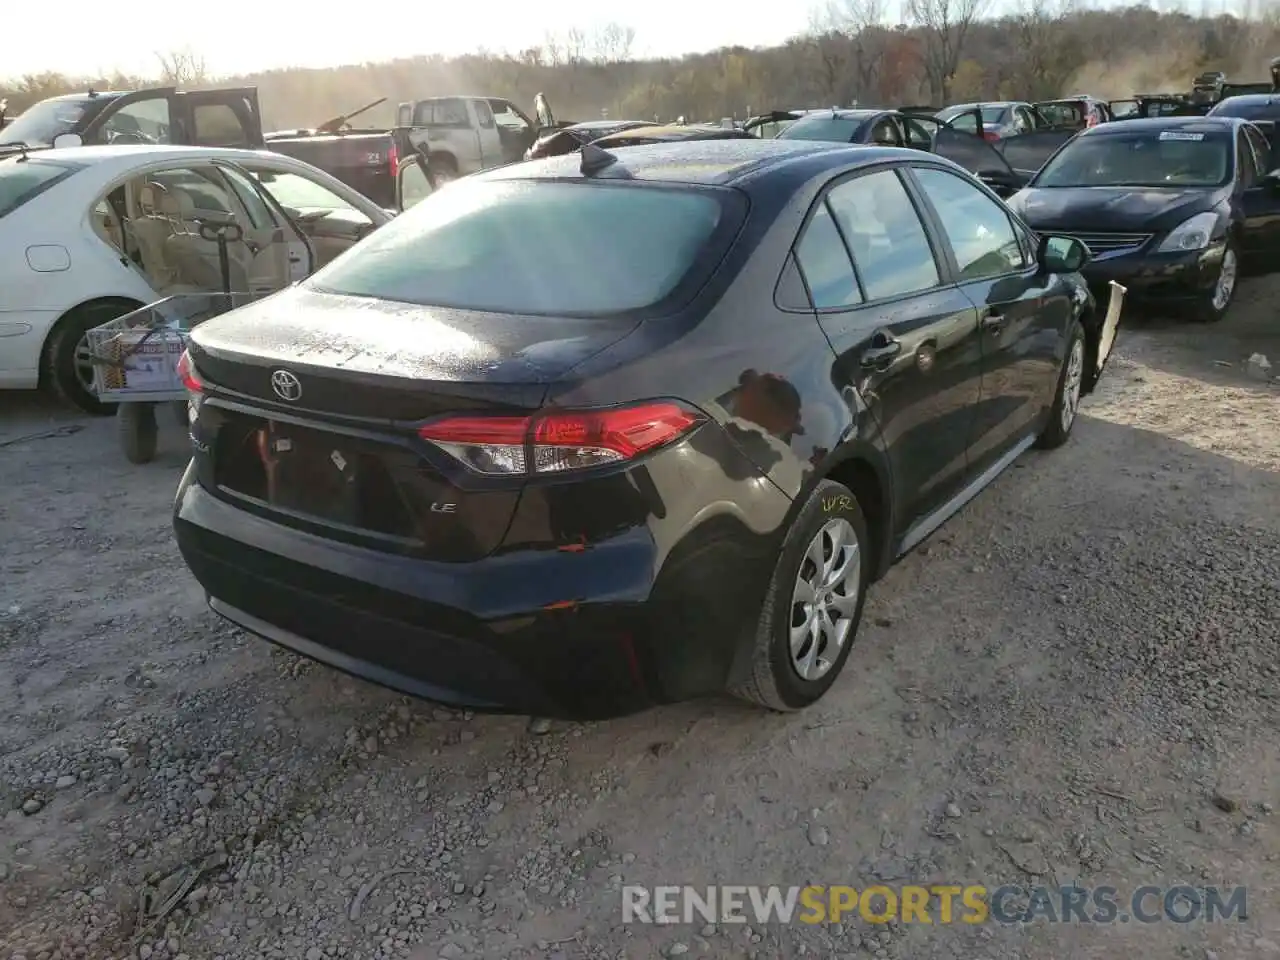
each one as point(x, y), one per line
point(1061, 254)
point(67, 140)
point(413, 184)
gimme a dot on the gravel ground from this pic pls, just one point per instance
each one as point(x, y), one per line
point(1077, 679)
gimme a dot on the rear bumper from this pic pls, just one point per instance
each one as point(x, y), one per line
point(1159, 277)
point(586, 635)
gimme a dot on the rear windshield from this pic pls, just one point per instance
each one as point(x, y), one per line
point(543, 247)
point(1167, 158)
point(823, 127)
point(20, 180)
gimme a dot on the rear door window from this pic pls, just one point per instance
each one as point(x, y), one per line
point(20, 180)
point(544, 248)
point(824, 261)
point(889, 244)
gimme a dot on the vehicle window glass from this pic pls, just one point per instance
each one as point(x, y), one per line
point(1021, 122)
point(143, 121)
point(1064, 113)
point(298, 193)
point(1145, 159)
point(885, 132)
point(484, 116)
point(889, 244)
point(1248, 163)
point(791, 293)
point(504, 116)
point(259, 213)
point(994, 116)
point(615, 247)
point(824, 261)
point(977, 227)
point(450, 113)
point(40, 123)
point(217, 125)
point(919, 131)
point(967, 122)
point(20, 181)
point(423, 113)
point(1261, 150)
point(414, 185)
point(824, 127)
point(404, 115)
point(206, 193)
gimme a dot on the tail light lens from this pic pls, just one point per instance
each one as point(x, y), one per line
point(990, 136)
point(559, 441)
point(187, 372)
point(393, 160)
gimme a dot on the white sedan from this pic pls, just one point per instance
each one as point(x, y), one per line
point(90, 233)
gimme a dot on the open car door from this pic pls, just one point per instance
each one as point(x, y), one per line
point(414, 181)
point(229, 117)
point(542, 113)
point(919, 129)
point(978, 157)
point(1026, 153)
point(769, 125)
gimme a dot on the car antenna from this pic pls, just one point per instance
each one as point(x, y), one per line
point(595, 159)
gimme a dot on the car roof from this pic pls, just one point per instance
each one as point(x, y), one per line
point(984, 103)
point(107, 153)
point(597, 124)
point(1154, 124)
point(1252, 99)
point(711, 162)
point(672, 131)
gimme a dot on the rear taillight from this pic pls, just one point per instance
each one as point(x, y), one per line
point(393, 160)
point(187, 373)
point(990, 135)
point(560, 440)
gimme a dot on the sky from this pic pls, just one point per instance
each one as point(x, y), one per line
point(239, 36)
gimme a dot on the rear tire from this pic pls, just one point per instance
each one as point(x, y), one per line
point(813, 605)
point(444, 169)
point(1067, 393)
point(136, 427)
point(65, 369)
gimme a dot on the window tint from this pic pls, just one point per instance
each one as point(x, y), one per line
point(965, 121)
point(484, 116)
point(542, 247)
point(823, 126)
point(217, 125)
point(1261, 150)
point(450, 113)
point(20, 181)
point(977, 227)
point(885, 132)
point(824, 261)
point(423, 113)
point(885, 235)
point(1174, 157)
point(39, 124)
point(1248, 163)
point(299, 193)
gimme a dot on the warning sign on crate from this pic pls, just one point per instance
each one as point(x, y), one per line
point(150, 362)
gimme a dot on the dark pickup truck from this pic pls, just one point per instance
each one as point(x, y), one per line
point(367, 159)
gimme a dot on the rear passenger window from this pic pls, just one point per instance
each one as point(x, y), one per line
point(825, 263)
point(889, 245)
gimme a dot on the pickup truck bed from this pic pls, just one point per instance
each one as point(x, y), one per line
point(364, 159)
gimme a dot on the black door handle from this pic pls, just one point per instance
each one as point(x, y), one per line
point(881, 354)
point(993, 322)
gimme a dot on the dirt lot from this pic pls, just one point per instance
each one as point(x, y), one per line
point(1076, 680)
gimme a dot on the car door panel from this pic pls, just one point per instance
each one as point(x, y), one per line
point(1259, 202)
point(1023, 312)
point(913, 355)
point(282, 253)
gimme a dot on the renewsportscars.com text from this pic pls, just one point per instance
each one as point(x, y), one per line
point(939, 903)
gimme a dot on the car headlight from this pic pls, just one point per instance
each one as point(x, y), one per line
point(1192, 234)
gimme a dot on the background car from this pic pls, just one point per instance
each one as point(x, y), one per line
point(1078, 112)
point(90, 233)
point(889, 128)
point(1170, 207)
point(999, 119)
point(557, 494)
point(571, 138)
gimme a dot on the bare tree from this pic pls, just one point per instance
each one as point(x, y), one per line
point(944, 27)
point(612, 43)
point(862, 21)
point(1047, 55)
point(830, 53)
point(182, 68)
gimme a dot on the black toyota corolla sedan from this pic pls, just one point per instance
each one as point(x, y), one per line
point(1171, 207)
point(509, 456)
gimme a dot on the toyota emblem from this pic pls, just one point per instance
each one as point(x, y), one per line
point(286, 385)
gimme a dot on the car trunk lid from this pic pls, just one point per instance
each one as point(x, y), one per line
point(312, 406)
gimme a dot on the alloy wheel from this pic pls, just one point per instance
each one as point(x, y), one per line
point(1071, 384)
point(825, 599)
point(1226, 284)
